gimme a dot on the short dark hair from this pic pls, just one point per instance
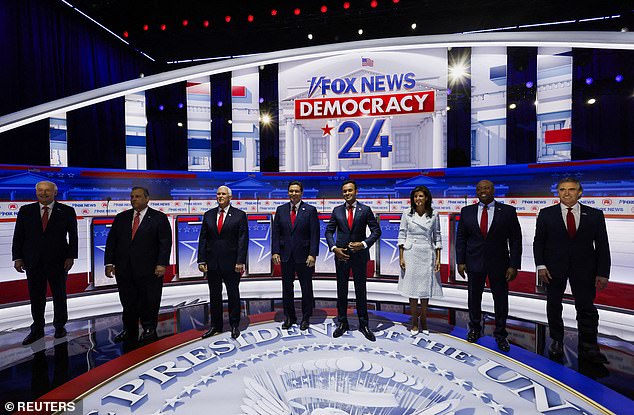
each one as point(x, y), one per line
point(350, 181)
point(146, 192)
point(296, 183)
point(569, 179)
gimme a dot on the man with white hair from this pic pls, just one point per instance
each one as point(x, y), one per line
point(45, 246)
point(222, 255)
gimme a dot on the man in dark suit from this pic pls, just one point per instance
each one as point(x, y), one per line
point(488, 243)
point(571, 243)
point(295, 244)
point(137, 254)
point(222, 254)
point(45, 246)
point(350, 221)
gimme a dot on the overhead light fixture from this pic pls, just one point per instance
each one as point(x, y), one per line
point(512, 106)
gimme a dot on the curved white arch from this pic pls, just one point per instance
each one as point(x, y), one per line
point(603, 40)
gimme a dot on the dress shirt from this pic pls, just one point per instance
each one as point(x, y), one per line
point(490, 213)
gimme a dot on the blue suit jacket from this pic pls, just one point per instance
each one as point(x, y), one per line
point(363, 217)
point(225, 250)
point(296, 241)
point(502, 247)
point(585, 256)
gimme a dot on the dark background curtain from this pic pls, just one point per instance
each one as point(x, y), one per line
point(221, 131)
point(459, 116)
point(606, 128)
point(270, 134)
point(166, 141)
point(521, 122)
point(50, 51)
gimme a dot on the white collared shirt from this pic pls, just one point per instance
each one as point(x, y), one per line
point(224, 216)
point(141, 216)
point(576, 212)
point(490, 213)
point(50, 209)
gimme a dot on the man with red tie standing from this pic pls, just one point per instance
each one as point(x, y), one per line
point(45, 246)
point(295, 245)
point(222, 254)
point(137, 254)
point(571, 244)
point(488, 244)
point(350, 222)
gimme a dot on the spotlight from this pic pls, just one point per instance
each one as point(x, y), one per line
point(591, 101)
point(310, 36)
point(512, 106)
point(126, 34)
point(374, 3)
point(396, 1)
point(297, 12)
point(324, 9)
point(360, 32)
point(163, 27)
point(141, 75)
point(261, 100)
point(458, 71)
point(413, 26)
point(206, 23)
point(219, 103)
point(618, 78)
point(161, 108)
point(229, 121)
point(180, 124)
point(273, 12)
point(180, 105)
point(448, 108)
point(448, 91)
point(346, 5)
point(266, 119)
point(529, 84)
point(185, 22)
point(227, 19)
point(589, 80)
point(250, 18)
point(146, 27)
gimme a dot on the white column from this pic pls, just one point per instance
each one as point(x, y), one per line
point(297, 145)
point(333, 146)
point(437, 148)
point(386, 162)
point(288, 136)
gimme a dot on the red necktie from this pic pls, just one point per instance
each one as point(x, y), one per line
point(221, 216)
point(293, 215)
point(484, 222)
point(350, 217)
point(570, 224)
point(135, 223)
point(44, 218)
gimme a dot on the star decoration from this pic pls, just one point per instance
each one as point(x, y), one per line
point(237, 363)
point(204, 380)
point(327, 130)
point(222, 370)
point(189, 390)
point(171, 403)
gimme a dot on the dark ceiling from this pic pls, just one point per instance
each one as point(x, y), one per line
point(286, 30)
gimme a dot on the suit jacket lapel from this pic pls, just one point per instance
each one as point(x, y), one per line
point(497, 212)
point(583, 218)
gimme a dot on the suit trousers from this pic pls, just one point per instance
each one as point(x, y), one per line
point(215, 278)
point(500, 292)
point(36, 281)
point(305, 277)
point(359, 274)
point(140, 297)
point(584, 291)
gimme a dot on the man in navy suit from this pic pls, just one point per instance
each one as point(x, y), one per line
point(222, 254)
point(295, 244)
point(488, 243)
point(350, 221)
point(571, 243)
point(137, 254)
point(45, 246)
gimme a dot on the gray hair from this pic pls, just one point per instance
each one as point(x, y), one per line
point(226, 187)
point(46, 182)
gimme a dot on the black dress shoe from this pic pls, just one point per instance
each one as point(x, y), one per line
point(148, 335)
point(593, 356)
point(365, 330)
point(340, 330)
point(124, 336)
point(211, 332)
point(556, 349)
point(503, 344)
point(59, 333)
point(235, 332)
point(304, 325)
point(473, 336)
point(288, 323)
point(32, 337)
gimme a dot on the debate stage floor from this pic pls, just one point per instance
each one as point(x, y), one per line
point(309, 372)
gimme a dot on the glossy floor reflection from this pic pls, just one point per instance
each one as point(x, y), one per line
point(28, 372)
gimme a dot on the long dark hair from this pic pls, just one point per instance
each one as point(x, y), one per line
point(428, 209)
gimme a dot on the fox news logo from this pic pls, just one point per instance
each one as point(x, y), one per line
point(365, 84)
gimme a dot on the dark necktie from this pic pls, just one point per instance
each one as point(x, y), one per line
point(44, 218)
point(350, 216)
point(484, 222)
point(221, 216)
point(135, 223)
point(570, 224)
point(293, 215)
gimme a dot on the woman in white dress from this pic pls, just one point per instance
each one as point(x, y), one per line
point(419, 245)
